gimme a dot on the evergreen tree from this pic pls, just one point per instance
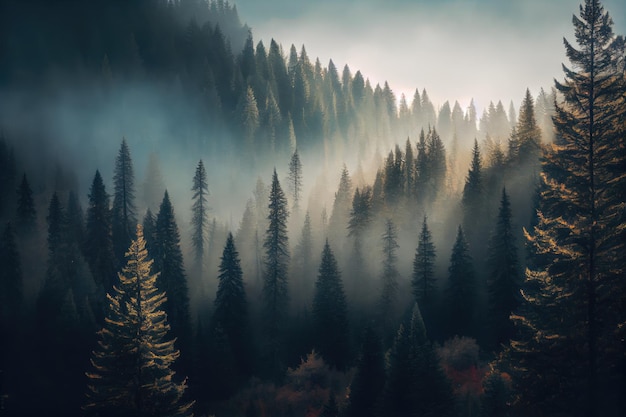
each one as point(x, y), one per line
point(424, 280)
point(231, 306)
point(504, 275)
point(168, 261)
point(409, 169)
point(98, 240)
point(330, 313)
point(132, 372)
point(153, 184)
point(250, 118)
point(528, 134)
point(275, 288)
point(295, 180)
point(199, 215)
point(369, 380)
point(123, 212)
point(388, 308)
point(11, 292)
point(415, 384)
point(436, 164)
point(303, 263)
point(149, 230)
point(26, 216)
point(473, 195)
point(341, 207)
point(460, 292)
point(572, 310)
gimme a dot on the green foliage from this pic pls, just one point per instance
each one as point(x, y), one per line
point(330, 313)
point(131, 367)
point(424, 280)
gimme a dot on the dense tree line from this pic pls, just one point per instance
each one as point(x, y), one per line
point(407, 297)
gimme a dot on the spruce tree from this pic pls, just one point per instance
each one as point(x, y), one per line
point(98, 247)
point(341, 208)
point(473, 195)
point(416, 384)
point(460, 292)
point(199, 215)
point(123, 212)
point(424, 281)
point(330, 313)
point(26, 215)
point(572, 310)
point(504, 275)
point(275, 287)
point(231, 307)
point(369, 380)
point(436, 157)
point(131, 367)
point(295, 180)
point(168, 262)
point(388, 307)
point(528, 134)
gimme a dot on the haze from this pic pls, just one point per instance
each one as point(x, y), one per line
point(456, 49)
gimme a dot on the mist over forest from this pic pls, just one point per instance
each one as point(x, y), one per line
point(193, 221)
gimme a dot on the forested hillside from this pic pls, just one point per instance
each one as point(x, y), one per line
point(194, 222)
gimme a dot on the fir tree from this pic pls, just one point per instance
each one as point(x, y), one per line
point(199, 215)
point(275, 288)
point(573, 298)
point(369, 380)
point(528, 134)
point(231, 306)
point(389, 279)
point(330, 313)
point(460, 292)
point(26, 216)
point(341, 207)
point(168, 261)
point(504, 274)
point(295, 180)
point(98, 239)
point(132, 372)
point(473, 195)
point(123, 212)
point(424, 280)
point(416, 384)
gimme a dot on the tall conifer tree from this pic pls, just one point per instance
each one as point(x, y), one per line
point(123, 212)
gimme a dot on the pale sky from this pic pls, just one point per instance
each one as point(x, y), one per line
point(456, 49)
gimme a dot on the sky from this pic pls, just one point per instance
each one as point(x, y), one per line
point(488, 50)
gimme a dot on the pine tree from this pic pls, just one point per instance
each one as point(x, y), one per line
point(473, 195)
point(369, 380)
point(504, 275)
point(132, 372)
point(424, 280)
point(330, 313)
point(295, 180)
point(275, 287)
point(98, 240)
point(528, 134)
point(168, 261)
point(123, 212)
point(572, 310)
point(341, 207)
point(389, 279)
point(360, 219)
point(199, 215)
point(231, 306)
point(460, 291)
point(416, 384)
point(26, 216)
point(303, 264)
point(436, 164)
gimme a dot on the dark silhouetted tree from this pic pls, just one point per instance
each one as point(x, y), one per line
point(168, 262)
point(123, 212)
point(369, 380)
point(25, 216)
point(330, 313)
point(199, 216)
point(504, 275)
point(295, 180)
point(424, 282)
point(460, 292)
point(388, 308)
point(275, 283)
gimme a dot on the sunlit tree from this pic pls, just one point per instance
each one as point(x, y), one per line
point(131, 367)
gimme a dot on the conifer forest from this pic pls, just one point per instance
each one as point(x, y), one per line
point(197, 221)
